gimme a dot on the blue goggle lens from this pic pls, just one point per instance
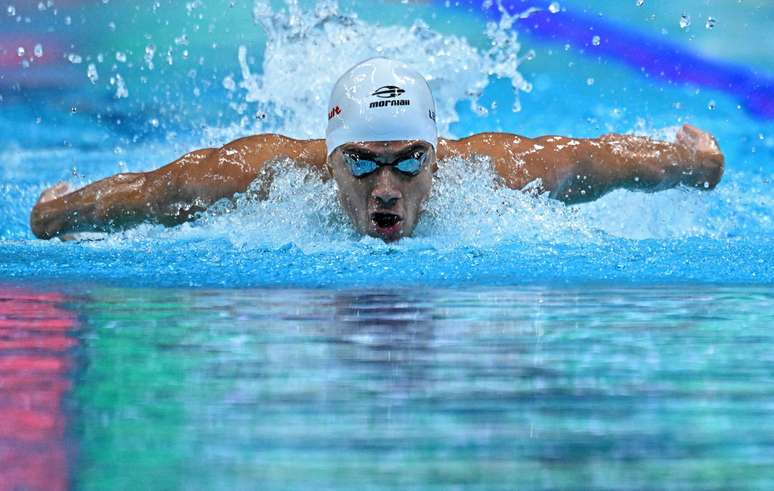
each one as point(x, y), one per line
point(362, 167)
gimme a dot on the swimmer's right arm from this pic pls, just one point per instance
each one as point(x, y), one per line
point(170, 195)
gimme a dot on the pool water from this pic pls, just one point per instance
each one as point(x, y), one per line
point(513, 342)
point(482, 388)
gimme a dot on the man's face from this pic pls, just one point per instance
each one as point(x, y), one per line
point(385, 203)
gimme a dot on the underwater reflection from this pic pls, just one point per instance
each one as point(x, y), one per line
point(35, 363)
point(224, 389)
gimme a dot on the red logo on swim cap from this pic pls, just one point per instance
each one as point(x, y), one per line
point(334, 112)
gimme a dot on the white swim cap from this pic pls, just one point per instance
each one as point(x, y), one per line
point(380, 100)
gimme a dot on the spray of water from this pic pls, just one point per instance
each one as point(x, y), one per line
point(307, 51)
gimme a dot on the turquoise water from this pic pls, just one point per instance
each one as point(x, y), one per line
point(514, 342)
point(484, 388)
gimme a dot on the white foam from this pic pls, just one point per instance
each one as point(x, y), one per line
point(469, 207)
point(307, 50)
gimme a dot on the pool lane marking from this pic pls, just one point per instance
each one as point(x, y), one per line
point(35, 368)
point(651, 56)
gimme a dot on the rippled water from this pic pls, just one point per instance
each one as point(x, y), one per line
point(551, 388)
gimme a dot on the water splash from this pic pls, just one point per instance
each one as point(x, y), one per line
point(307, 50)
point(469, 208)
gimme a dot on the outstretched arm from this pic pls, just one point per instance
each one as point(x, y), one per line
point(170, 195)
point(578, 170)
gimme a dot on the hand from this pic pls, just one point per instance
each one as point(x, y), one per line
point(43, 225)
point(708, 160)
point(57, 190)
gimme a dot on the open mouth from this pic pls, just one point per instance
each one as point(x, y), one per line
point(386, 222)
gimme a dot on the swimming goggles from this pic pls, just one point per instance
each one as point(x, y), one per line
point(361, 167)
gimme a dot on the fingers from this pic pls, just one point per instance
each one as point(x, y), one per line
point(688, 128)
point(698, 139)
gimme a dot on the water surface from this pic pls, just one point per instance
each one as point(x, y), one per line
point(490, 388)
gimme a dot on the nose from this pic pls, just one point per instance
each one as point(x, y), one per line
point(386, 193)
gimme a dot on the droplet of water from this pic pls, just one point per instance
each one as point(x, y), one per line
point(712, 105)
point(112, 26)
point(91, 72)
point(68, 20)
point(11, 10)
point(685, 21)
point(154, 122)
point(589, 81)
point(229, 84)
point(530, 55)
point(38, 50)
point(121, 91)
point(121, 56)
point(73, 109)
point(20, 51)
point(150, 52)
point(595, 40)
point(640, 3)
point(710, 23)
point(554, 7)
point(74, 58)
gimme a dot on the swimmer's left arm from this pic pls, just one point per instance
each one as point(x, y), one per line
point(578, 170)
point(599, 166)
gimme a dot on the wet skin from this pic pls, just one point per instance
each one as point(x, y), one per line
point(571, 170)
point(387, 202)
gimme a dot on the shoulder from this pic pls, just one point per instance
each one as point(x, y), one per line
point(489, 144)
point(257, 150)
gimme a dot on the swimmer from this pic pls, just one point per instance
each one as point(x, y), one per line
point(381, 149)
